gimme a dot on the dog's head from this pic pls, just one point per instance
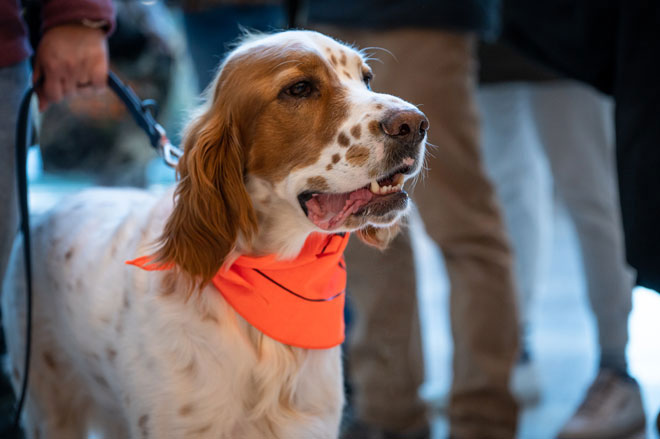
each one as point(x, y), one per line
point(291, 140)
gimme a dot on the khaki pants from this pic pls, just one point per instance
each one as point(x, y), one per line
point(457, 204)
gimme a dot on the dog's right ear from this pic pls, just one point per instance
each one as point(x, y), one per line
point(211, 204)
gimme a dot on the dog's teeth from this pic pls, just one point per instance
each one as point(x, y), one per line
point(383, 190)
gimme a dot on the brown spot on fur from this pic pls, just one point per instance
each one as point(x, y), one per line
point(111, 354)
point(342, 60)
point(144, 427)
point(318, 184)
point(335, 158)
point(201, 431)
point(374, 127)
point(105, 320)
point(357, 155)
point(168, 283)
point(343, 139)
point(209, 317)
point(329, 167)
point(191, 368)
point(186, 409)
point(151, 364)
point(101, 381)
point(379, 106)
point(50, 361)
point(333, 60)
point(348, 75)
point(68, 254)
point(356, 131)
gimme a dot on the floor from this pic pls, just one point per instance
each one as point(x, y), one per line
point(562, 338)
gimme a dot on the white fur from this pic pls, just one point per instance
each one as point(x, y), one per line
point(129, 360)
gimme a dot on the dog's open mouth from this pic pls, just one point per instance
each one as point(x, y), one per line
point(378, 198)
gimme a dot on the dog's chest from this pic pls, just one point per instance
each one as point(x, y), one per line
point(207, 367)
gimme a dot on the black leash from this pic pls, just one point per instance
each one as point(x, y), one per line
point(141, 112)
point(23, 132)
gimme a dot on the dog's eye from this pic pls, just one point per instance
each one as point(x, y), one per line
point(300, 89)
point(367, 79)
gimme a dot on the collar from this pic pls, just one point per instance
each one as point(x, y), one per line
point(298, 302)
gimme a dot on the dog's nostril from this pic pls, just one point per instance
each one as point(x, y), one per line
point(405, 125)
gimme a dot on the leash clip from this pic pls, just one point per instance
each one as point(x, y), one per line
point(170, 153)
point(142, 114)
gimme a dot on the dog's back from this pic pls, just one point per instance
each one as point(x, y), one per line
point(79, 288)
point(124, 352)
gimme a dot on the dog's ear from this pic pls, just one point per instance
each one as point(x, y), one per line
point(211, 204)
point(379, 237)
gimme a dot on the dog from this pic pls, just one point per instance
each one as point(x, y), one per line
point(290, 153)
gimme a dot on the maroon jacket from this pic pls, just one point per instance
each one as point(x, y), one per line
point(14, 44)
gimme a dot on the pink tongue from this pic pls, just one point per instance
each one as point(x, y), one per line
point(328, 210)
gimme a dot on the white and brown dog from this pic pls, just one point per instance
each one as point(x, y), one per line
point(290, 143)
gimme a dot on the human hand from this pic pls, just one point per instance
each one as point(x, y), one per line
point(71, 59)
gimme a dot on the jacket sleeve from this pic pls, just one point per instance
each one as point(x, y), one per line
point(58, 12)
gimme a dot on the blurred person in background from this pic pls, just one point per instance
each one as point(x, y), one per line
point(71, 58)
point(211, 25)
point(433, 47)
point(532, 118)
point(612, 45)
point(146, 49)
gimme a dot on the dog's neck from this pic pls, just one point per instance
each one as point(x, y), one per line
point(282, 231)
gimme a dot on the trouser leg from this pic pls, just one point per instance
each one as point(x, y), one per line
point(13, 82)
point(516, 162)
point(575, 124)
point(385, 364)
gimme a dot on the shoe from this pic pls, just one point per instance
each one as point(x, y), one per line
point(612, 409)
point(524, 384)
point(360, 430)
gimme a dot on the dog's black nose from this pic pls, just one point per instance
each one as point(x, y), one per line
point(408, 125)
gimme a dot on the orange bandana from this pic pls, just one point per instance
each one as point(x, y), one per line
point(299, 302)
